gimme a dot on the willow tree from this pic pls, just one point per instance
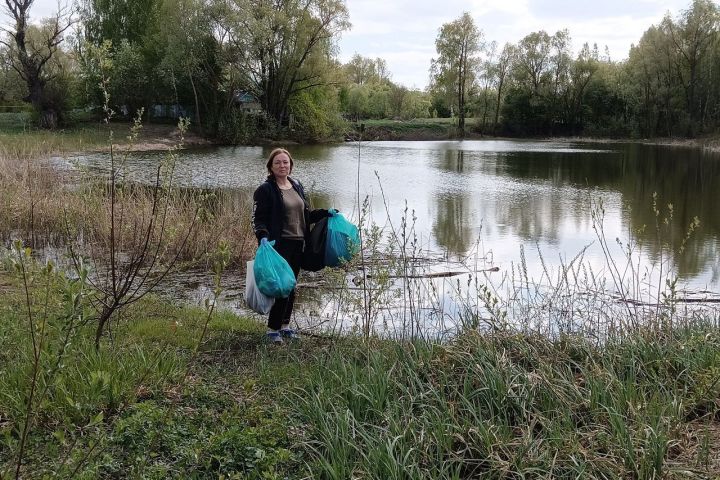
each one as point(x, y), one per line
point(118, 20)
point(279, 48)
point(31, 52)
point(458, 45)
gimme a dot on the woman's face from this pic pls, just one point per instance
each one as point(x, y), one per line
point(281, 165)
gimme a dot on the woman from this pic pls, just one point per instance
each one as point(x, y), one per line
point(281, 213)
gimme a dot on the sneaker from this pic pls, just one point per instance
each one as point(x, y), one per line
point(275, 337)
point(290, 334)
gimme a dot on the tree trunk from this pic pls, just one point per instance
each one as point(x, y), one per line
point(48, 119)
point(461, 100)
point(197, 103)
point(497, 107)
point(102, 321)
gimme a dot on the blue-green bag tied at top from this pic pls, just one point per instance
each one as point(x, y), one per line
point(273, 274)
point(343, 239)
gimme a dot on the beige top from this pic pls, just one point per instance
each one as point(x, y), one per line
point(294, 224)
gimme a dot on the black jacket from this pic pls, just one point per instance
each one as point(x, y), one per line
point(268, 212)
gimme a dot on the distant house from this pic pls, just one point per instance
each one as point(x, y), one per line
point(247, 102)
point(170, 111)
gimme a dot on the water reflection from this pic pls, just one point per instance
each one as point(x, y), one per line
point(453, 228)
point(537, 194)
point(689, 181)
point(454, 161)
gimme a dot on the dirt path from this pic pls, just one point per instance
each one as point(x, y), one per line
point(154, 137)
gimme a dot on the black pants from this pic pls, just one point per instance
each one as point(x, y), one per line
point(290, 250)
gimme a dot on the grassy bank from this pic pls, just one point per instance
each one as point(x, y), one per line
point(163, 399)
point(446, 128)
point(143, 406)
point(46, 206)
point(36, 144)
point(417, 129)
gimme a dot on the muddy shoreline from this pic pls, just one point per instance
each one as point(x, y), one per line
point(165, 137)
point(711, 144)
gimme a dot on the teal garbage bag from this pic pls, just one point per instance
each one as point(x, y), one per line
point(343, 240)
point(273, 274)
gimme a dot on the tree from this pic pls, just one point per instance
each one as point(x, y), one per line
point(31, 56)
point(118, 20)
point(604, 110)
point(560, 64)
point(128, 29)
point(581, 72)
point(532, 65)
point(396, 98)
point(693, 36)
point(416, 104)
point(487, 79)
point(279, 48)
point(190, 52)
point(381, 70)
point(378, 105)
point(11, 87)
point(560, 61)
point(357, 102)
point(360, 70)
point(528, 105)
point(458, 45)
point(652, 87)
point(501, 71)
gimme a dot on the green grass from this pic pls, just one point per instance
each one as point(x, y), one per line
point(15, 121)
point(416, 129)
point(35, 143)
point(138, 408)
point(643, 405)
point(502, 406)
point(417, 122)
point(21, 138)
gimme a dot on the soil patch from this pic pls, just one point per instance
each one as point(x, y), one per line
point(163, 137)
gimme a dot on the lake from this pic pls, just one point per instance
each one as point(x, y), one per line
point(507, 203)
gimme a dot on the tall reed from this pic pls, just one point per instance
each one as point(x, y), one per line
point(576, 374)
point(503, 405)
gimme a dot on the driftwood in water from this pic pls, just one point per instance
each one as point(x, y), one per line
point(357, 280)
point(676, 300)
point(440, 274)
point(327, 287)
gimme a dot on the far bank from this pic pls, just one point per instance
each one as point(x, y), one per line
point(95, 136)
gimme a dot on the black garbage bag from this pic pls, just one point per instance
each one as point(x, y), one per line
point(313, 259)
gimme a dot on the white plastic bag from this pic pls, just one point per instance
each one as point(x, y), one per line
point(254, 298)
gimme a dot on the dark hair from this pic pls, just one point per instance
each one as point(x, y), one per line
point(274, 154)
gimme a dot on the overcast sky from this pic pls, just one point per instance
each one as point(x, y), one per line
point(403, 32)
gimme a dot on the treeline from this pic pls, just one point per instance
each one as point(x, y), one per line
point(252, 68)
point(669, 85)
